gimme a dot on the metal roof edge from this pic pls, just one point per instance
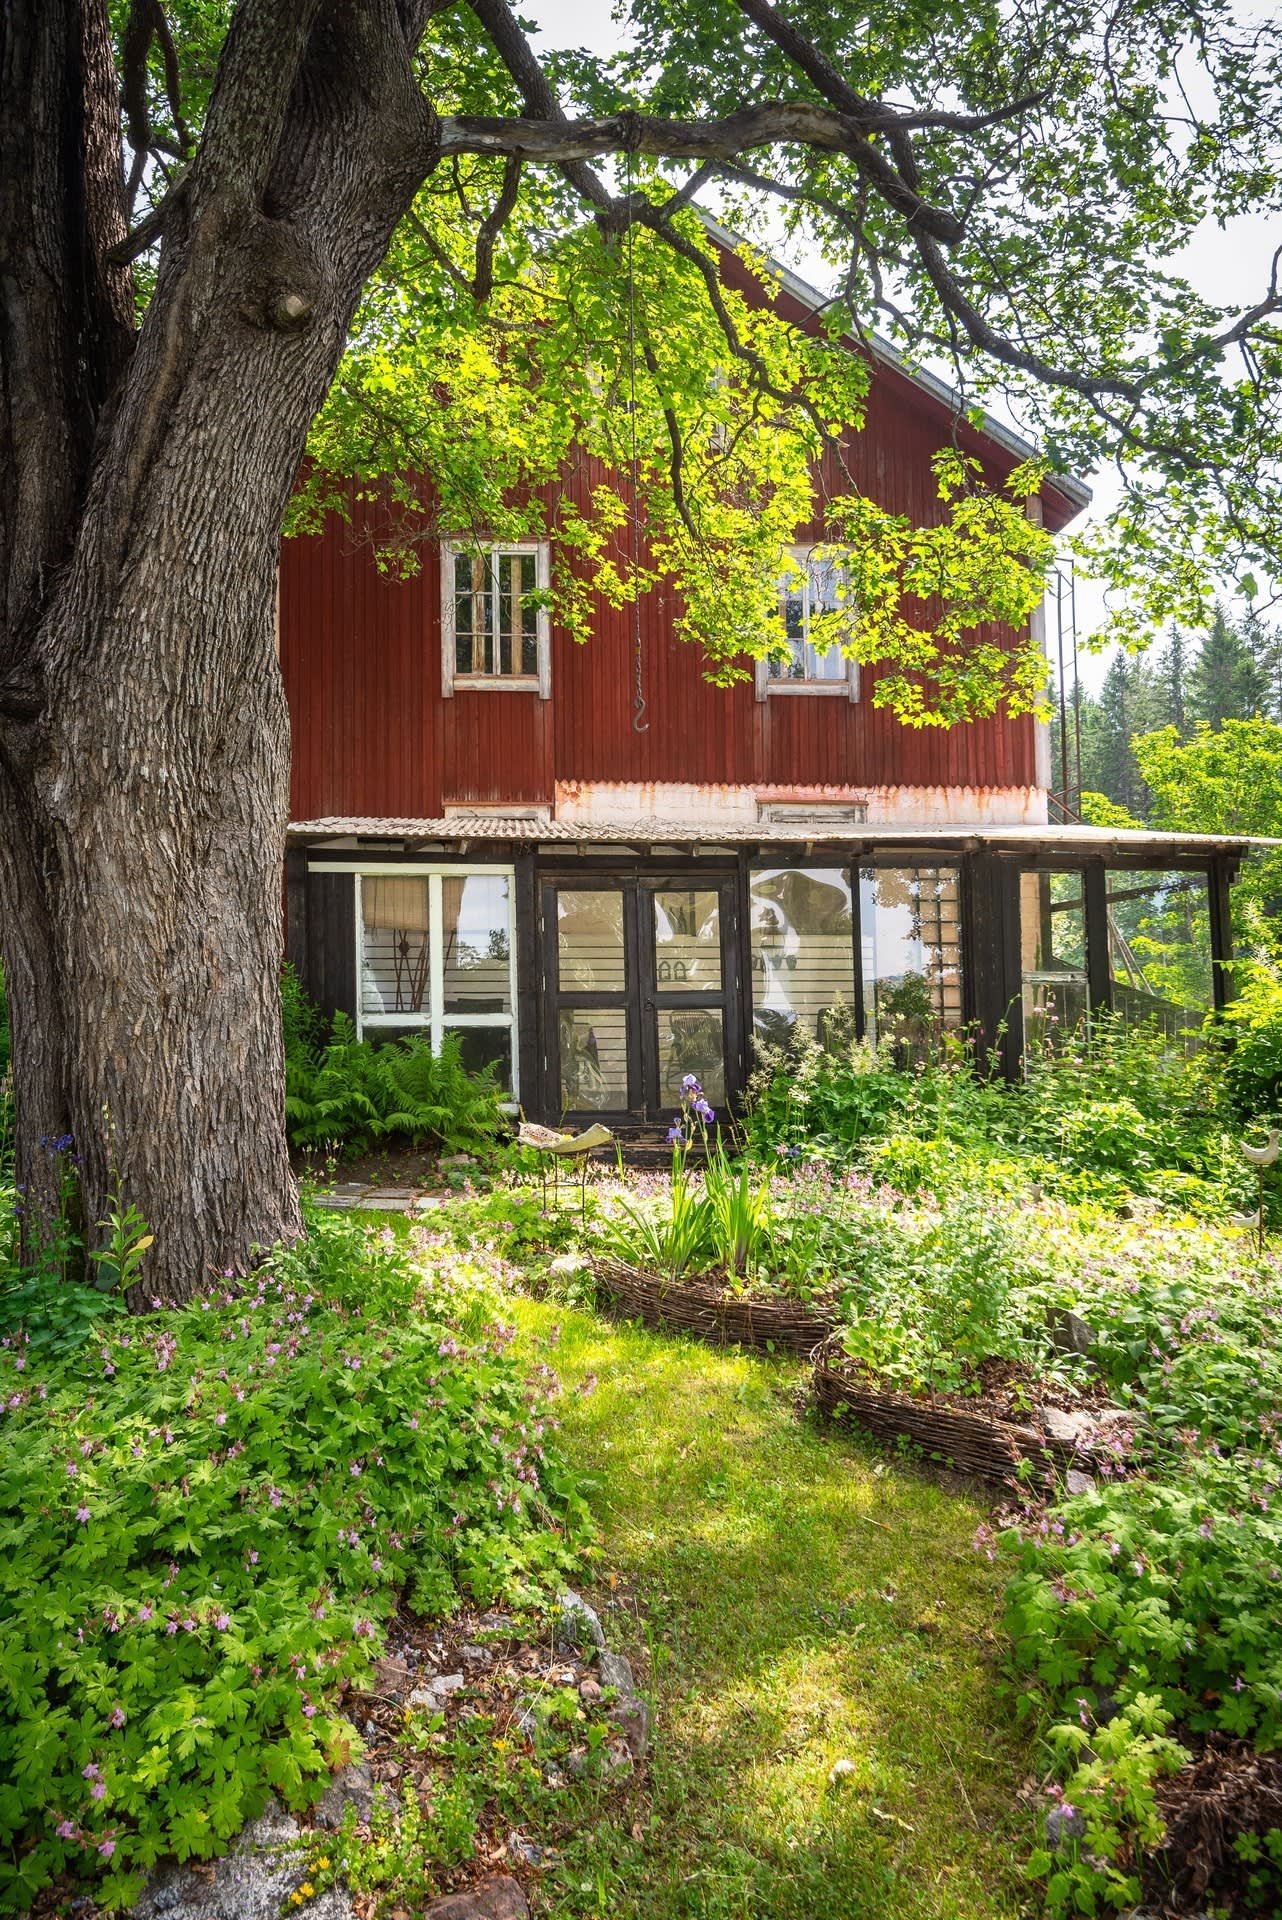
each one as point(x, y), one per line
point(1050, 836)
point(1075, 490)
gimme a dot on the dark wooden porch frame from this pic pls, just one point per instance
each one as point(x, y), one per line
point(320, 908)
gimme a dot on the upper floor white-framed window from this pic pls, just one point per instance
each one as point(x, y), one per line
point(816, 611)
point(495, 628)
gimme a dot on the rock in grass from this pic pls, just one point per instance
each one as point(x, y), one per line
point(1063, 1824)
point(497, 1899)
point(1068, 1429)
point(577, 1624)
point(431, 1697)
point(632, 1718)
point(528, 1852)
point(615, 1670)
point(1069, 1332)
point(352, 1787)
point(252, 1882)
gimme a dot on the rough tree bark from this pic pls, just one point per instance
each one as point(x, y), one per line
point(143, 481)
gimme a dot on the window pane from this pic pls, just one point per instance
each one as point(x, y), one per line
point(687, 939)
point(691, 1040)
point(1159, 948)
point(473, 612)
point(474, 936)
point(589, 940)
point(828, 665)
point(812, 587)
point(594, 1059)
point(825, 583)
point(385, 1035)
point(518, 616)
point(1053, 956)
point(792, 609)
point(486, 1047)
point(910, 935)
point(803, 959)
point(394, 946)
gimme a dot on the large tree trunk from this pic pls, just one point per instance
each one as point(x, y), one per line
point(144, 737)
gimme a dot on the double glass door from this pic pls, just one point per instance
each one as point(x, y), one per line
point(640, 993)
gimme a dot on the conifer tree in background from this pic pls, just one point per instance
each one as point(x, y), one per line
point(1226, 681)
point(1174, 668)
point(1232, 672)
point(1265, 643)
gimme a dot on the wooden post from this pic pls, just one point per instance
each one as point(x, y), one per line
point(1220, 876)
point(1099, 975)
point(992, 1003)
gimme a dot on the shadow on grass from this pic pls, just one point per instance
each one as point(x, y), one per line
point(794, 1603)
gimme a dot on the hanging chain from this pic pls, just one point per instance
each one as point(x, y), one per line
point(639, 722)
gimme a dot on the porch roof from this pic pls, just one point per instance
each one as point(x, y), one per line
point(1127, 847)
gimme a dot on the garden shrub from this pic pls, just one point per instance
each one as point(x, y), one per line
point(1117, 1113)
point(1158, 1593)
point(349, 1093)
point(207, 1517)
point(1253, 1057)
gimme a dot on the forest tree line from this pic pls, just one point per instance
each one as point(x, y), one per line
point(1187, 738)
point(1230, 673)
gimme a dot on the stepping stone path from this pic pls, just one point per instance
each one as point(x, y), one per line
point(350, 1195)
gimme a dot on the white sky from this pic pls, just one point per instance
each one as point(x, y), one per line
point(1228, 265)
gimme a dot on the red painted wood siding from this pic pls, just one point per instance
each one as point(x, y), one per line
point(361, 657)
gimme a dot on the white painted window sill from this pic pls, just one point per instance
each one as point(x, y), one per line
point(495, 683)
point(839, 687)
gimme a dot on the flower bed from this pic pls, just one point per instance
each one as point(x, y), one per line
point(708, 1312)
point(982, 1439)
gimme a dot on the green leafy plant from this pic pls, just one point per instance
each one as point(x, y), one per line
point(208, 1517)
point(348, 1093)
point(673, 1235)
point(120, 1259)
point(740, 1215)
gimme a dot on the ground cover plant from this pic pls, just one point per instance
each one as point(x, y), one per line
point(1143, 1610)
point(1106, 1116)
point(208, 1516)
point(346, 1094)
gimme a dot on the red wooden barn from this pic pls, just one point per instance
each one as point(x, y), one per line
point(484, 843)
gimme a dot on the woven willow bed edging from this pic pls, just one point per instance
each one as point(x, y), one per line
point(971, 1442)
point(721, 1319)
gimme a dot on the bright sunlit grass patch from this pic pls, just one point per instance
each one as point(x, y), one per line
point(798, 1606)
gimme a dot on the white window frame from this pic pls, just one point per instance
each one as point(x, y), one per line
point(452, 681)
point(435, 1022)
point(766, 685)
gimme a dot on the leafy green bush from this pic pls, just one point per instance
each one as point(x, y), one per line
point(935, 1293)
point(1158, 1593)
point(1116, 1113)
point(207, 1517)
point(1253, 1059)
point(348, 1093)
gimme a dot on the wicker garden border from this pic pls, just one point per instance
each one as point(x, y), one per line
point(972, 1442)
point(709, 1313)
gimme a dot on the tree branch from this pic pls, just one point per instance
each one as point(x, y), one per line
point(491, 227)
point(565, 143)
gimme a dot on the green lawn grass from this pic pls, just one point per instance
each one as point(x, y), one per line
point(790, 1601)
